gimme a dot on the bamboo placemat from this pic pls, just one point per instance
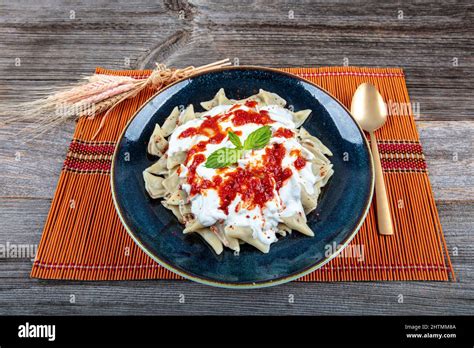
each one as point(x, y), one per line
point(83, 238)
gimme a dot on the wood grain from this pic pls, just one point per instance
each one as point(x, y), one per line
point(45, 43)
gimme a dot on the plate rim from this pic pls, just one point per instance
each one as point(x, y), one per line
point(248, 285)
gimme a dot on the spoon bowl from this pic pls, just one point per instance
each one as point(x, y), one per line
point(369, 110)
point(368, 107)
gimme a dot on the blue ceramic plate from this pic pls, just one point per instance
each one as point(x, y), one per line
point(342, 206)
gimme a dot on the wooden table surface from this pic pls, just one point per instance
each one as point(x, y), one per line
point(48, 43)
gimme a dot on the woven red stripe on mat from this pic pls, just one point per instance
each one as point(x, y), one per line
point(403, 164)
point(350, 73)
point(400, 148)
point(92, 149)
point(76, 164)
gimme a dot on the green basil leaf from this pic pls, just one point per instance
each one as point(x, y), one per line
point(258, 138)
point(234, 139)
point(223, 157)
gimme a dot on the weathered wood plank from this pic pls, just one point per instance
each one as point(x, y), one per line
point(161, 298)
point(432, 42)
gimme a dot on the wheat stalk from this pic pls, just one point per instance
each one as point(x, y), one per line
point(100, 93)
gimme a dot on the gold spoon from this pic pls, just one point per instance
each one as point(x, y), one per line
point(369, 110)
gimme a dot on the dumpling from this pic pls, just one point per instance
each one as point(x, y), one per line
point(192, 226)
point(175, 210)
point(283, 230)
point(199, 114)
point(269, 98)
point(171, 122)
point(176, 159)
point(317, 187)
point(185, 209)
point(300, 116)
point(187, 115)
point(326, 172)
point(171, 183)
point(245, 234)
point(297, 222)
point(308, 201)
point(154, 185)
point(318, 159)
point(211, 239)
point(219, 99)
point(159, 167)
point(158, 144)
point(305, 135)
point(231, 242)
point(177, 197)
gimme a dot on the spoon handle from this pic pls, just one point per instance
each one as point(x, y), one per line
point(384, 218)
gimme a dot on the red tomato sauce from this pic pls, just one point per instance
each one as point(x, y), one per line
point(284, 133)
point(300, 161)
point(198, 184)
point(242, 117)
point(255, 185)
point(251, 103)
point(210, 128)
